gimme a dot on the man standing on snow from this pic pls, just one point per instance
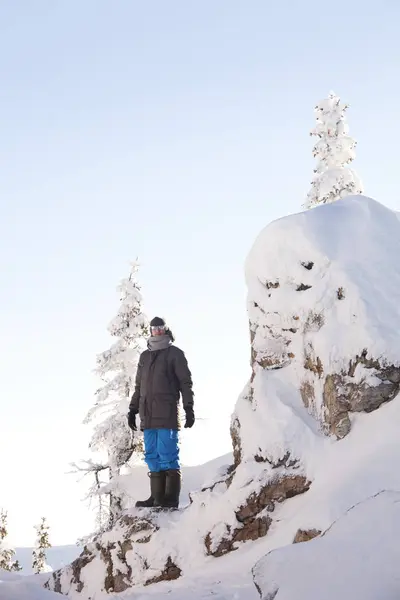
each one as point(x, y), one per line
point(162, 375)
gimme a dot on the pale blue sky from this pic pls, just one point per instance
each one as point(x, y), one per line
point(172, 131)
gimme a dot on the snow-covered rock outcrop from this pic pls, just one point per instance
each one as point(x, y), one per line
point(324, 312)
point(323, 303)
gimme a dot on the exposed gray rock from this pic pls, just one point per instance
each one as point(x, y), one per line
point(117, 573)
point(305, 535)
point(342, 394)
point(252, 522)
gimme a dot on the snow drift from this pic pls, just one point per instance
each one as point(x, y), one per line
point(308, 440)
point(17, 587)
point(357, 557)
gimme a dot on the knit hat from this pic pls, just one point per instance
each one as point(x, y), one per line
point(157, 322)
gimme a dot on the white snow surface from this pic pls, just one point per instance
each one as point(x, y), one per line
point(18, 587)
point(357, 558)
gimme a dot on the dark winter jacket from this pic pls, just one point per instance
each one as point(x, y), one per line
point(161, 377)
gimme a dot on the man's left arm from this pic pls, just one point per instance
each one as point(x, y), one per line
point(184, 378)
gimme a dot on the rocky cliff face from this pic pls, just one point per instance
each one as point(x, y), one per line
point(323, 305)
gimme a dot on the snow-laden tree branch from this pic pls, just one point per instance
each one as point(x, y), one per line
point(333, 150)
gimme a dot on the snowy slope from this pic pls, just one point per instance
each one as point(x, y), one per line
point(318, 418)
point(17, 587)
point(136, 484)
point(358, 557)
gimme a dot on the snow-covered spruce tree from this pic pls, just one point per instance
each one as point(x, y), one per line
point(42, 543)
point(117, 367)
point(6, 551)
point(333, 150)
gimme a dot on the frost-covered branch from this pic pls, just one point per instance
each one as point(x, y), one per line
point(87, 466)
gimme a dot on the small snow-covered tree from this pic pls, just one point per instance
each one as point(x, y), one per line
point(42, 543)
point(6, 551)
point(117, 368)
point(333, 150)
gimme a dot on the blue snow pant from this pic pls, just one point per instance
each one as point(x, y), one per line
point(161, 449)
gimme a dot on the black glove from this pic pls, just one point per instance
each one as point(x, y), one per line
point(132, 420)
point(189, 418)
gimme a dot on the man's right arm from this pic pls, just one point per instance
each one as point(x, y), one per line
point(134, 404)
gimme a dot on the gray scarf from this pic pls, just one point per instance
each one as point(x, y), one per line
point(158, 342)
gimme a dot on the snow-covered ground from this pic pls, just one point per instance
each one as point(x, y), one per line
point(136, 484)
point(347, 473)
point(14, 586)
point(357, 558)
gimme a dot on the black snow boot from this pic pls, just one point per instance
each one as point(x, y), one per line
point(157, 491)
point(172, 488)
